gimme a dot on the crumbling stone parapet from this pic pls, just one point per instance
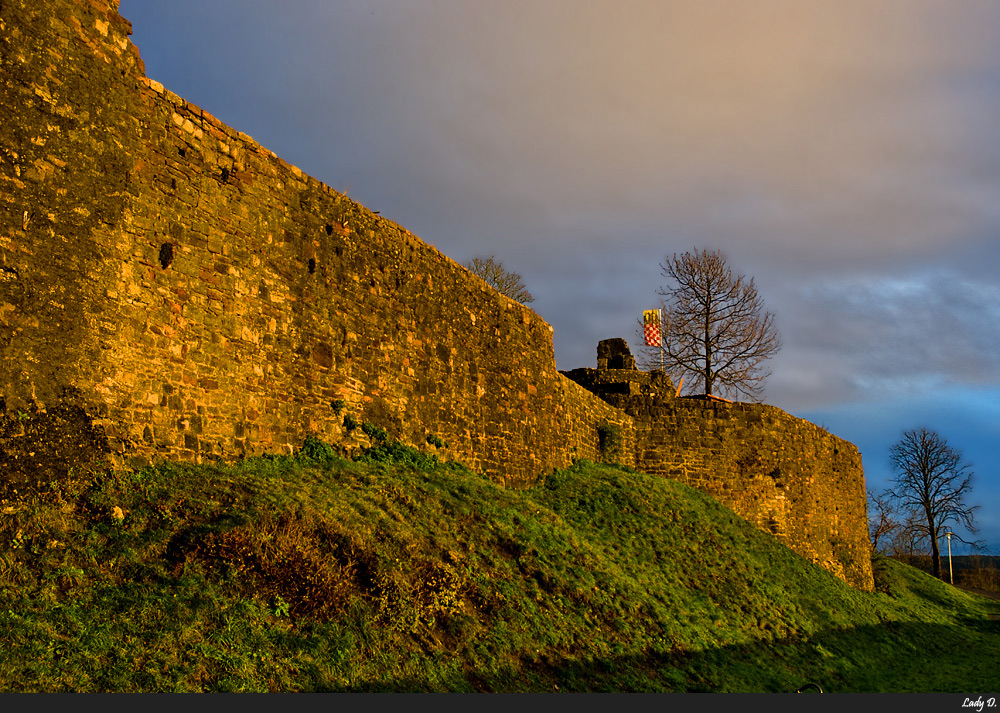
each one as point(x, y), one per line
point(616, 374)
point(615, 354)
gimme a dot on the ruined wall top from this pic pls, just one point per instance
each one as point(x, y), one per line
point(615, 354)
point(617, 374)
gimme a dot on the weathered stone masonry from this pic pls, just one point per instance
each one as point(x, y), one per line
point(786, 475)
point(180, 290)
point(171, 289)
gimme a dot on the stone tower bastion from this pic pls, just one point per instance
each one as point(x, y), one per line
point(787, 476)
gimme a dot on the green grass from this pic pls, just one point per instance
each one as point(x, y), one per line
point(399, 572)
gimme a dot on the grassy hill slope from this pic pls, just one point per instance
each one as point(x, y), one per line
point(397, 572)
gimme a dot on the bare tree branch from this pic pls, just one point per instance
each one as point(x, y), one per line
point(715, 329)
point(504, 282)
point(883, 521)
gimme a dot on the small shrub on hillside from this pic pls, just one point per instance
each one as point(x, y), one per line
point(375, 433)
point(609, 436)
point(300, 560)
point(384, 449)
point(396, 452)
point(315, 449)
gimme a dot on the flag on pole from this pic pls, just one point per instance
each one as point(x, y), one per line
point(651, 327)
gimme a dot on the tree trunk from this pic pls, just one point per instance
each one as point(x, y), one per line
point(708, 354)
point(935, 553)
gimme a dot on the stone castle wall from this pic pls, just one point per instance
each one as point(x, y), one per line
point(196, 296)
point(787, 476)
point(171, 289)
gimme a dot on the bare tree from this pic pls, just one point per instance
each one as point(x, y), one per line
point(931, 481)
point(894, 531)
point(909, 539)
point(714, 326)
point(504, 282)
point(883, 523)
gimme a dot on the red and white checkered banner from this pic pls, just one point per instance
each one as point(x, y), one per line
point(651, 327)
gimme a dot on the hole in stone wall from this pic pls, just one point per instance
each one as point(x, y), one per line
point(173, 184)
point(312, 266)
point(166, 255)
point(339, 251)
point(182, 152)
point(329, 229)
point(322, 355)
point(225, 175)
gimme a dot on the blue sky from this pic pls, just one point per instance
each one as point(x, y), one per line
point(846, 155)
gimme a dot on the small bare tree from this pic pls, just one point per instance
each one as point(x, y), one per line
point(931, 481)
point(909, 539)
point(714, 326)
point(894, 531)
point(504, 282)
point(883, 521)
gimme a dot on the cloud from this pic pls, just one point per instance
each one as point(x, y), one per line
point(807, 139)
point(874, 337)
point(824, 134)
point(792, 122)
